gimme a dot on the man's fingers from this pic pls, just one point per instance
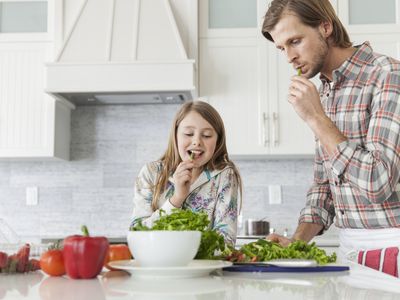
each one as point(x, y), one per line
point(302, 83)
point(301, 79)
point(272, 237)
point(276, 238)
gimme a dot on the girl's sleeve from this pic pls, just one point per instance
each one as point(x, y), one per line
point(226, 210)
point(143, 197)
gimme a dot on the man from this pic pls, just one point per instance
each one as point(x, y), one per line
point(355, 117)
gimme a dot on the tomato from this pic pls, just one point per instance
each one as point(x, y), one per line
point(52, 262)
point(117, 252)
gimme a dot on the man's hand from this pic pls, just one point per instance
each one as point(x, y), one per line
point(276, 238)
point(304, 232)
point(304, 97)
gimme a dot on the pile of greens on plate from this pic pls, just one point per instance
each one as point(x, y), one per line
point(263, 250)
point(179, 219)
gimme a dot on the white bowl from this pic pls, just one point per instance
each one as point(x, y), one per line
point(163, 248)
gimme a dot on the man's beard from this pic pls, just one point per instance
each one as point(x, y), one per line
point(320, 57)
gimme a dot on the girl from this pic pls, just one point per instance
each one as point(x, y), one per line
point(194, 173)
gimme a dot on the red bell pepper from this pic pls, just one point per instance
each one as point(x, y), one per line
point(3, 260)
point(84, 255)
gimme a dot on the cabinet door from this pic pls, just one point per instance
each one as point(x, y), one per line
point(229, 18)
point(232, 80)
point(32, 124)
point(243, 77)
point(27, 124)
point(290, 135)
point(369, 15)
point(375, 21)
point(233, 72)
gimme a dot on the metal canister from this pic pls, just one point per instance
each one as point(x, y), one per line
point(256, 228)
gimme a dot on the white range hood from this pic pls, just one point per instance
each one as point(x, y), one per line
point(122, 51)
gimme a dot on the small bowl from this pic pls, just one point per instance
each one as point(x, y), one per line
point(163, 248)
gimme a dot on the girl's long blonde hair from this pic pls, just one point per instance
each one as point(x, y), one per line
point(171, 159)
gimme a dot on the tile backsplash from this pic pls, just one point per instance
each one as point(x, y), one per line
point(109, 145)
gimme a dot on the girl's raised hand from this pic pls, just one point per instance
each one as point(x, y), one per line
point(182, 178)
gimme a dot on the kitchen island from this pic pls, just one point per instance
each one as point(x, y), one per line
point(359, 283)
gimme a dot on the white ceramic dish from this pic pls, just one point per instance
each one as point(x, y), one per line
point(196, 268)
point(163, 248)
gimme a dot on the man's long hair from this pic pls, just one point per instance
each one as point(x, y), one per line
point(311, 13)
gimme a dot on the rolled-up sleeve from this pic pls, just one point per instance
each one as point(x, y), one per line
point(319, 207)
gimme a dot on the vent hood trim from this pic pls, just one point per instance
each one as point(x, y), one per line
point(119, 77)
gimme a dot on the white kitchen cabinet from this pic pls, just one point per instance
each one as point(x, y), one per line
point(246, 79)
point(33, 125)
point(376, 22)
point(230, 79)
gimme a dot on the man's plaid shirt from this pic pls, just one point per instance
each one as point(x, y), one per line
point(358, 183)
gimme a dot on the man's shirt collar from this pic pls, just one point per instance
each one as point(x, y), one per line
point(351, 68)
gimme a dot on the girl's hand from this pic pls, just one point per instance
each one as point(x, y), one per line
point(182, 178)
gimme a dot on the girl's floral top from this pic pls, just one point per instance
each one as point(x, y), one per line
point(215, 192)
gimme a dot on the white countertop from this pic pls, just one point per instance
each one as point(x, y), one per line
point(359, 283)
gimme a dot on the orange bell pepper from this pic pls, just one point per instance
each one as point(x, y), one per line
point(117, 252)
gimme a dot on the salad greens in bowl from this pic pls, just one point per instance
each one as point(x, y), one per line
point(174, 239)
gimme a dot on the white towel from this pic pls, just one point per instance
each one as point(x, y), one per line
point(357, 244)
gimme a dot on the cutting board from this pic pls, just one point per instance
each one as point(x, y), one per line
point(272, 269)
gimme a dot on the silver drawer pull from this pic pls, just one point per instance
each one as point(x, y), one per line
point(265, 131)
point(275, 128)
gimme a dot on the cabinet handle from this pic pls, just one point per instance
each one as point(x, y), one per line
point(275, 128)
point(265, 131)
